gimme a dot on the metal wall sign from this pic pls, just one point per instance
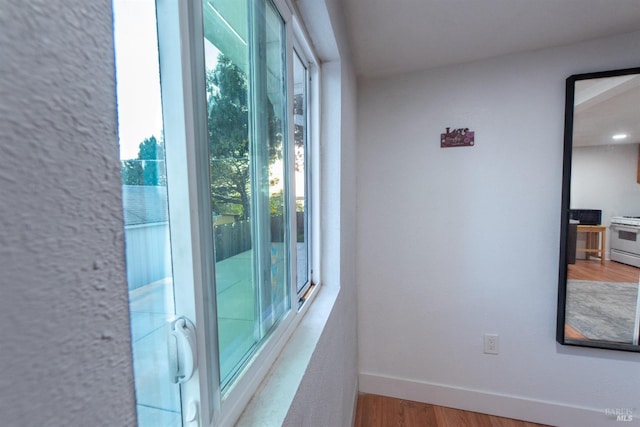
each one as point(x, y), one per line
point(462, 137)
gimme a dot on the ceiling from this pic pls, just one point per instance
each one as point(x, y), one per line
point(605, 107)
point(395, 36)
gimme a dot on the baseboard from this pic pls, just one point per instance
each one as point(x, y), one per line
point(509, 406)
point(355, 402)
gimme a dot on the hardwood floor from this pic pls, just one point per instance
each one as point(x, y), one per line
point(381, 411)
point(611, 271)
point(571, 334)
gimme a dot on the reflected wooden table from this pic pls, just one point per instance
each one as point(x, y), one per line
point(596, 240)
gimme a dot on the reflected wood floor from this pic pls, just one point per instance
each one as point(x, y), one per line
point(572, 334)
point(380, 411)
point(611, 271)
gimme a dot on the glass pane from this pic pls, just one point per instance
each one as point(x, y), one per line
point(146, 221)
point(246, 125)
point(301, 181)
point(275, 295)
point(226, 59)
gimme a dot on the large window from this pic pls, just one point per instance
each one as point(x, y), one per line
point(214, 113)
point(247, 130)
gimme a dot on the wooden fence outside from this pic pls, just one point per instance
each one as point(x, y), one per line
point(234, 238)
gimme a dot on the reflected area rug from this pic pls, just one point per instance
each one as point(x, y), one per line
point(602, 311)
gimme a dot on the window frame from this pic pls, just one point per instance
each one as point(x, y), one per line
point(224, 408)
point(180, 28)
point(303, 49)
point(307, 181)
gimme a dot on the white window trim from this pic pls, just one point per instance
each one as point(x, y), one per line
point(270, 404)
point(183, 121)
point(227, 409)
point(255, 372)
point(304, 49)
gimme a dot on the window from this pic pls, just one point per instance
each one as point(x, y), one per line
point(302, 175)
point(247, 131)
point(146, 210)
point(217, 197)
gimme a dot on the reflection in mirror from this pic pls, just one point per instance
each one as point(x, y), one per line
point(599, 302)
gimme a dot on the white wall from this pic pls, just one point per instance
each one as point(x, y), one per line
point(64, 341)
point(605, 177)
point(454, 243)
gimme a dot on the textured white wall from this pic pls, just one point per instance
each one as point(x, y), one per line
point(64, 341)
point(454, 243)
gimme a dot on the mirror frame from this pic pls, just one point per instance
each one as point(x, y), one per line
point(564, 216)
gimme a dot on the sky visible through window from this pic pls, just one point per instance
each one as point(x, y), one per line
point(138, 74)
point(138, 77)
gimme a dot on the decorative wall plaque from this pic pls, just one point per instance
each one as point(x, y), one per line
point(457, 138)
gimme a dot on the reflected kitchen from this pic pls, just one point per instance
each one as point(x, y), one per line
point(602, 240)
point(599, 298)
point(603, 275)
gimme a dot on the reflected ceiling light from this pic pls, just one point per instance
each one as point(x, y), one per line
point(619, 136)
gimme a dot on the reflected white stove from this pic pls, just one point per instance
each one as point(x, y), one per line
point(633, 221)
point(625, 243)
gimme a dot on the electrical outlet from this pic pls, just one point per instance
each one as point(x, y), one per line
point(491, 343)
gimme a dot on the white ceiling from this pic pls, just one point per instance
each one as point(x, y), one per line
point(395, 36)
point(605, 107)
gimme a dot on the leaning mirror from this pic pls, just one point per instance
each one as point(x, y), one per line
point(598, 298)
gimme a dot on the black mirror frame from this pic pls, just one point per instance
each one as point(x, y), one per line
point(564, 215)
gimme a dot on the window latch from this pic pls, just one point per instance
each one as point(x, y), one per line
point(181, 344)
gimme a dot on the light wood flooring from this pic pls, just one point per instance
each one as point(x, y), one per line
point(380, 411)
point(611, 271)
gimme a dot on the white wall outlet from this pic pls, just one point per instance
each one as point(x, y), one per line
point(491, 343)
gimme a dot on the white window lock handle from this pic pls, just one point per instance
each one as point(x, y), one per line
point(181, 344)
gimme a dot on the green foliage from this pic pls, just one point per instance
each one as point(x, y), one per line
point(148, 168)
point(151, 153)
point(276, 203)
point(228, 127)
point(229, 147)
point(151, 149)
point(132, 172)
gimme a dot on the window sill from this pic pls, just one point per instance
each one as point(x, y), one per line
point(270, 404)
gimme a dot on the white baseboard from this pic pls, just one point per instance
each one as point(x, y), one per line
point(509, 406)
point(355, 403)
